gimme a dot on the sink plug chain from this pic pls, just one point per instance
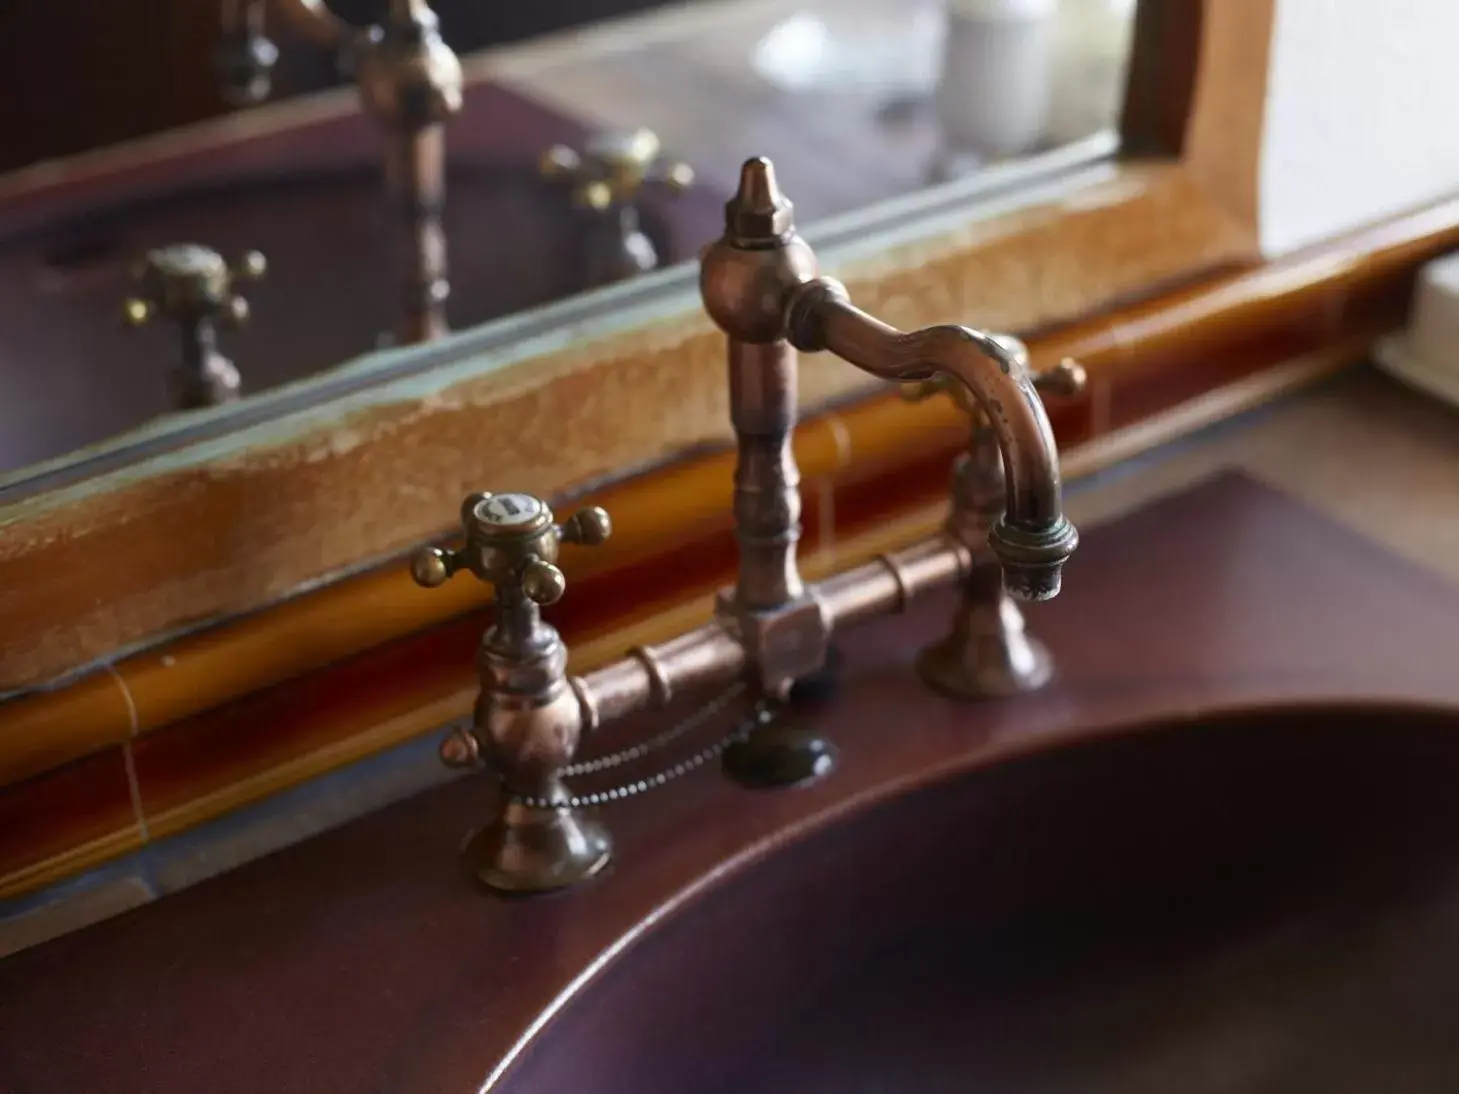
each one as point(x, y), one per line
point(658, 740)
point(762, 714)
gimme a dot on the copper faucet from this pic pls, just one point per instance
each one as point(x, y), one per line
point(410, 84)
point(195, 287)
point(989, 651)
point(760, 285)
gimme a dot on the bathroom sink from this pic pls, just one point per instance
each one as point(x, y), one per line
point(1219, 853)
point(1264, 901)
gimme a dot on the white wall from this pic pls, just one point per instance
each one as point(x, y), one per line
point(1362, 115)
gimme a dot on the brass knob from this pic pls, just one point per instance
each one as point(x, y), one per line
point(460, 749)
point(191, 284)
point(614, 167)
point(1065, 380)
point(251, 266)
point(431, 566)
point(589, 527)
point(543, 582)
point(512, 543)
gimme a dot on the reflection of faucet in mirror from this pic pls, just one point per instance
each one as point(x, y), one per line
point(410, 84)
point(759, 284)
point(193, 287)
point(988, 652)
point(606, 179)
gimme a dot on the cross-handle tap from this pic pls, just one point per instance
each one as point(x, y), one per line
point(194, 287)
point(988, 651)
point(607, 179)
point(528, 716)
point(512, 543)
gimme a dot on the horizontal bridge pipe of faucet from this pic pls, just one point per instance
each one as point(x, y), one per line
point(650, 677)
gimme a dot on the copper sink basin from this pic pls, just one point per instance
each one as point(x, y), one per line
point(1265, 901)
point(1219, 853)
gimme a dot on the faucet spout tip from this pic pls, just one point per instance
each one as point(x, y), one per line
point(1033, 558)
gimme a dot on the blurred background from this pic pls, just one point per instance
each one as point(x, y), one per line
point(88, 73)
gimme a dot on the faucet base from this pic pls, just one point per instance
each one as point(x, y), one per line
point(779, 754)
point(988, 655)
point(528, 849)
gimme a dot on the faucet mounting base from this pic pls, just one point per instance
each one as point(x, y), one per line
point(526, 849)
point(988, 655)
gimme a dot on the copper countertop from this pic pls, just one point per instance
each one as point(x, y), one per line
point(361, 960)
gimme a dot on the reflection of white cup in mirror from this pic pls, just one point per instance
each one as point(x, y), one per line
point(1089, 57)
point(993, 95)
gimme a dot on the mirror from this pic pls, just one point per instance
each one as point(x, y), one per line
point(572, 163)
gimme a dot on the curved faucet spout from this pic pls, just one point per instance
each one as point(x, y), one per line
point(1034, 539)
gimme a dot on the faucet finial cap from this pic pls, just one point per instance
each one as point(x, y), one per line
point(759, 212)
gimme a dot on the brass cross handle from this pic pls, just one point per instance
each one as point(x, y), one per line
point(1065, 379)
point(191, 284)
point(512, 542)
point(614, 167)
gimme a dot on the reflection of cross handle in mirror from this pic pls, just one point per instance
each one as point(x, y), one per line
point(193, 286)
point(607, 179)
